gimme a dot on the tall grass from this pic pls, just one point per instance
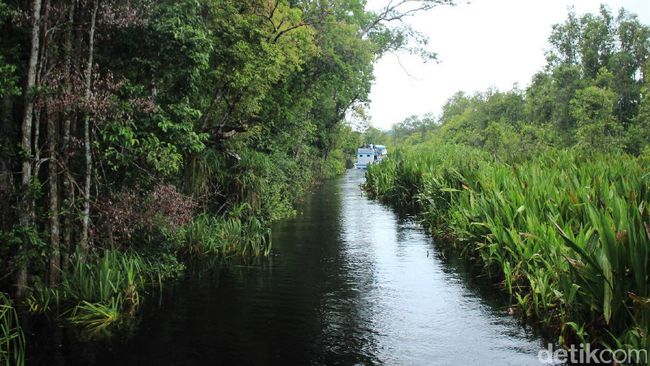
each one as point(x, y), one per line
point(566, 235)
point(113, 274)
point(12, 339)
point(105, 290)
point(209, 235)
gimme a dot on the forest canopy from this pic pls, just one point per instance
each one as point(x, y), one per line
point(591, 95)
point(163, 129)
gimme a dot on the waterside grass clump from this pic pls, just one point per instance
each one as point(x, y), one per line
point(233, 236)
point(12, 339)
point(566, 235)
point(103, 291)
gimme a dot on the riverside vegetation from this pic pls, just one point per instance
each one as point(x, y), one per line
point(135, 134)
point(547, 189)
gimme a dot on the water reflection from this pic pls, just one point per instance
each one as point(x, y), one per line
point(420, 312)
point(350, 283)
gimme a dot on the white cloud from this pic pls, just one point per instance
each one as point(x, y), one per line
point(488, 43)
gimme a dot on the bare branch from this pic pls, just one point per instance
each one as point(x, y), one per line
point(398, 10)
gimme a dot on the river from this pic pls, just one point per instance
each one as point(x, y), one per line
point(350, 283)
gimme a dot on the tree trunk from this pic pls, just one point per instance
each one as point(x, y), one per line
point(6, 175)
point(51, 143)
point(53, 180)
point(37, 137)
point(26, 214)
point(65, 149)
point(40, 76)
point(85, 218)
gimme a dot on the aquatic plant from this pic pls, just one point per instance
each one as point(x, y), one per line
point(97, 318)
point(202, 236)
point(12, 339)
point(43, 299)
point(104, 290)
point(566, 235)
point(227, 236)
point(110, 275)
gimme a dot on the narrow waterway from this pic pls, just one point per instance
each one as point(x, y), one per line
point(350, 283)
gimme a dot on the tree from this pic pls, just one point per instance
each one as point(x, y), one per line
point(375, 136)
point(238, 105)
point(84, 243)
point(26, 213)
point(593, 109)
point(638, 134)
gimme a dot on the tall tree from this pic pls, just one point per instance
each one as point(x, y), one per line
point(66, 133)
point(85, 215)
point(26, 214)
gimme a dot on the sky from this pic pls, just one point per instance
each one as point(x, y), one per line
point(483, 44)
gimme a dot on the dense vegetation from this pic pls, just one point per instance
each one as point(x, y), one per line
point(591, 95)
point(136, 133)
point(548, 188)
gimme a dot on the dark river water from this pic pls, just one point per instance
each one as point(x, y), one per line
point(350, 283)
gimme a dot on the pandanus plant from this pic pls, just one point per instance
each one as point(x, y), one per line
point(566, 235)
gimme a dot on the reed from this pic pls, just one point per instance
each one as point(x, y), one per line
point(566, 235)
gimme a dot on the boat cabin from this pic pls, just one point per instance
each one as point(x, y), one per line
point(369, 155)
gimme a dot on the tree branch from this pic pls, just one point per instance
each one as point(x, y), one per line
point(401, 9)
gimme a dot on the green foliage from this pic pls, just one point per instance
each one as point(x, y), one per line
point(8, 79)
point(12, 339)
point(375, 135)
point(9, 83)
point(97, 319)
point(412, 130)
point(591, 94)
point(239, 105)
point(638, 134)
point(592, 44)
point(156, 140)
point(494, 121)
point(208, 235)
point(104, 279)
point(565, 233)
point(593, 110)
point(11, 248)
point(535, 186)
point(103, 292)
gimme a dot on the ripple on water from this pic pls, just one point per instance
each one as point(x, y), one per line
point(351, 283)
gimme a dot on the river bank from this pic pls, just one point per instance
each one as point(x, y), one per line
point(349, 281)
point(564, 235)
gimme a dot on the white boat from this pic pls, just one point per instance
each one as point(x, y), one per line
point(382, 152)
point(370, 154)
